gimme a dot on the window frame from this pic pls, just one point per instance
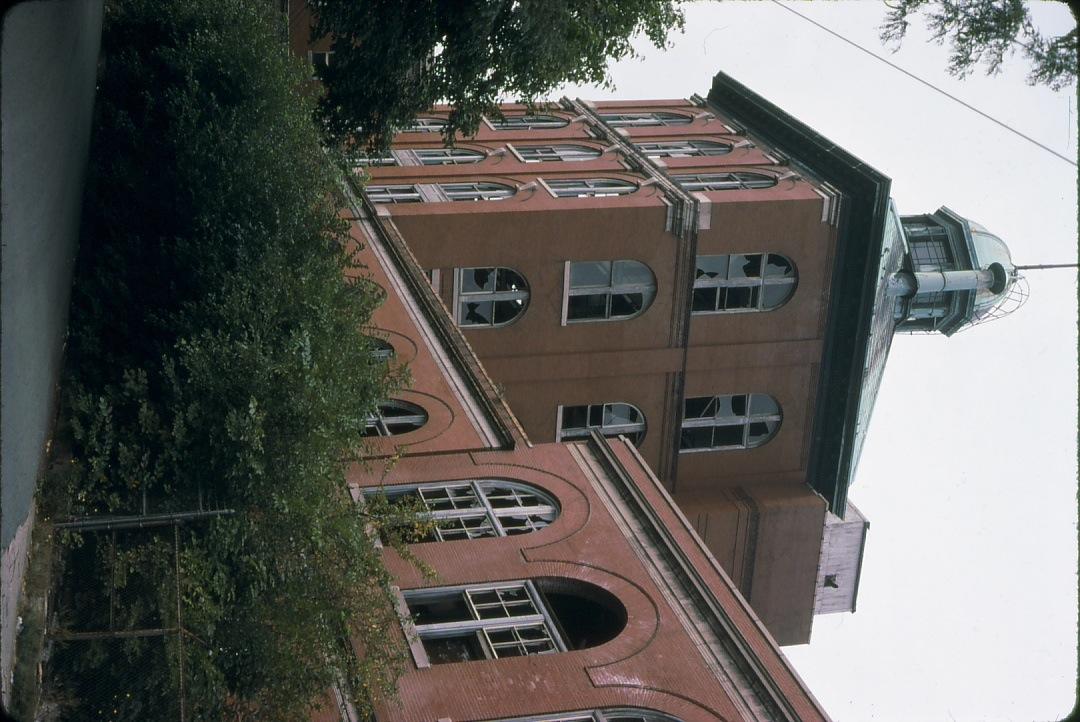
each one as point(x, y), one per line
point(689, 148)
point(377, 419)
point(426, 124)
point(496, 192)
point(508, 122)
point(743, 420)
point(558, 152)
point(729, 181)
point(561, 188)
point(635, 432)
point(494, 296)
point(645, 119)
point(759, 283)
point(474, 156)
point(601, 714)
point(648, 292)
point(394, 193)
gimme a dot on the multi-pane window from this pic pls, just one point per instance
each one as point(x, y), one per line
point(490, 296)
point(590, 187)
point(598, 715)
point(425, 125)
point(394, 417)
point(475, 191)
point(320, 58)
point(609, 419)
point(742, 282)
point(543, 153)
point(448, 156)
point(528, 122)
point(370, 161)
point(483, 622)
point(479, 509)
point(929, 247)
point(381, 350)
point(608, 290)
point(393, 194)
point(729, 421)
point(684, 148)
point(624, 120)
point(724, 181)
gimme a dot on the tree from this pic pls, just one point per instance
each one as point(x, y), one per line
point(985, 31)
point(394, 59)
point(218, 352)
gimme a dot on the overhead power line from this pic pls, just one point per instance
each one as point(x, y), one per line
point(926, 83)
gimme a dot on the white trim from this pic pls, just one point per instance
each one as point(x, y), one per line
point(514, 151)
point(565, 300)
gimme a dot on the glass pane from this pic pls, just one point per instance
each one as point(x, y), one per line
point(763, 404)
point(728, 436)
point(631, 273)
point(588, 306)
point(437, 610)
point(626, 304)
point(596, 415)
point(731, 406)
point(618, 414)
point(444, 650)
point(699, 407)
point(745, 266)
point(778, 267)
point(509, 280)
point(506, 311)
point(704, 299)
point(760, 431)
point(712, 267)
point(476, 313)
point(475, 280)
point(696, 438)
point(575, 417)
point(735, 299)
point(776, 294)
point(590, 273)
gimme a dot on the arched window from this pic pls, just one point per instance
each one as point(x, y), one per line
point(393, 194)
point(608, 290)
point(512, 619)
point(528, 122)
point(425, 125)
point(590, 187)
point(543, 153)
point(478, 509)
point(448, 156)
point(623, 714)
point(684, 148)
point(381, 350)
point(371, 161)
point(490, 296)
point(743, 282)
point(631, 120)
point(609, 419)
point(393, 417)
point(475, 191)
point(730, 421)
point(724, 181)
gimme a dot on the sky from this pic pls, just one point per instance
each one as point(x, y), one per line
point(967, 605)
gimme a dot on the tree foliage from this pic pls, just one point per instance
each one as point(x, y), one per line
point(985, 32)
point(217, 353)
point(394, 59)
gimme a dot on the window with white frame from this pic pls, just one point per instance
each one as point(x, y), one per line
point(609, 419)
point(393, 417)
point(622, 714)
point(381, 350)
point(608, 290)
point(476, 191)
point(393, 194)
point(370, 161)
point(590, 187)
point(490, 296)
point(631, 120)
point(477, 509)
point(728, 421)
point(564, 152)
point(528, 122)
point(511, 619)
point(742, 282)
point(320, 58)
point(448, 156)
point(724, 181)
point(425, 125)
point(684, 148)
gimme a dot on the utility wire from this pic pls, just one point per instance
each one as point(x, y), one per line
point(926, 83)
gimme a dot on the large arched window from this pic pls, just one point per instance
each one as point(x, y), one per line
point(441, 192)
point(728, 421)
point(475, 191)
point(425, 125)
point(609, 419)
point(608, 290)
point(724, 181)
point(448, 156)
point(590, 187)
point(564, 152)
point(490, 296)
point(511, 619)
point(528, 122)
point(622, 714)
point(393, 417)
point(632, 120)
point(743, 282)
point(684, 148)
point(393, 193)
point(478, 509)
